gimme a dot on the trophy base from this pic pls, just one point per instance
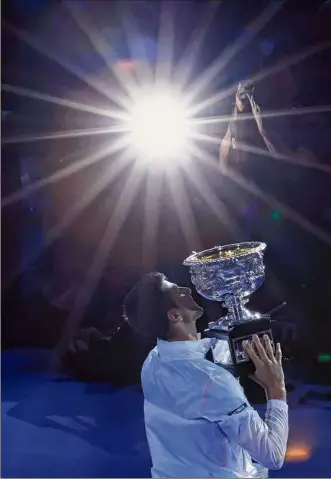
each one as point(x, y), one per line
point(228, 350)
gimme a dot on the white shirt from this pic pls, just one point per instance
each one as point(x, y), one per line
point(198, 420)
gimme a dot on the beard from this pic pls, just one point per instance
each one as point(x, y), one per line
point(197, 312)
point(192, 315)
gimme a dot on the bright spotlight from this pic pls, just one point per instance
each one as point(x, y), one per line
point(159, 125)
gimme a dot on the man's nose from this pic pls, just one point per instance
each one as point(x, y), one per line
point(187, 291)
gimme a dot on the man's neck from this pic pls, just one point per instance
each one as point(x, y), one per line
point(184, 336)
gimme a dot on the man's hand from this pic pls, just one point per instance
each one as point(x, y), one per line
point(244, 99)
point(269, 371)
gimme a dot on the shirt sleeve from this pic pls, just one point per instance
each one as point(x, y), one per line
point(224, 402)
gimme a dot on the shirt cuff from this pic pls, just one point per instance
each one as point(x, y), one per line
point(277, 403)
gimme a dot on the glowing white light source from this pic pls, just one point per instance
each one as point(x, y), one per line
point(159, 125)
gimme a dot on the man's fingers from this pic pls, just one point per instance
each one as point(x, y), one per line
point(251, 353)
point(278, 354)
point(259, 347)
point(268, 347)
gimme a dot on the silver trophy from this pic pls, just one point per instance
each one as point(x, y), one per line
point(230, 274)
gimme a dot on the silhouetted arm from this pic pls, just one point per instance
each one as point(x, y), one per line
point(272, 141)
point(246, 105)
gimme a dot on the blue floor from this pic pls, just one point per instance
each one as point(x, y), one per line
point(55, 427)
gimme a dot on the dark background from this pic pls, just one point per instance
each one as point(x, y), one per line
point(36, 277)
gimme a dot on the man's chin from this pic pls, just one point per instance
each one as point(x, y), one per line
point(198, 312)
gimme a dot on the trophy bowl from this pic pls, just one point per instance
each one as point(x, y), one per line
point(229, 274)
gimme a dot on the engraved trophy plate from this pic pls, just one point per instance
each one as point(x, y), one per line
point(230, 274)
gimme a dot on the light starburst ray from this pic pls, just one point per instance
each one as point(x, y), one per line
point(289, 61)
point(39, 46)
point(286, 210)
point(186, 63)
point(118, 115)
point(202, 83)
point(151, 216)
point(183, 209)
point(65, 172)
point(71, 214)
point(166, 39)
point(65, 134)
point(88, 197)
point(144, 70)
point(264, 114)
point(293, 159)
point(105, 51)
point(290, 158)
point(94, 273)
point(213, 202)
point(270, 200)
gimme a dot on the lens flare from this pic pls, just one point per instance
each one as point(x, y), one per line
point(159, 125)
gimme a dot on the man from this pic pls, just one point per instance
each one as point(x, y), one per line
point(249, 132)
point(277, 164)
point(198, 420)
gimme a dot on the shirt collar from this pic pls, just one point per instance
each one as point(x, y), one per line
point(169, 350)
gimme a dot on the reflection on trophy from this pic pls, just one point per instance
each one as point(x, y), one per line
point(230, 274)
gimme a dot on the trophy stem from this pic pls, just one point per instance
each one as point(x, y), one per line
point(234, 305)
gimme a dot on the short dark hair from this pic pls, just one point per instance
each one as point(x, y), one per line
point(146, 307)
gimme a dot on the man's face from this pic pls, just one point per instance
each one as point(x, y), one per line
point(189, 309)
